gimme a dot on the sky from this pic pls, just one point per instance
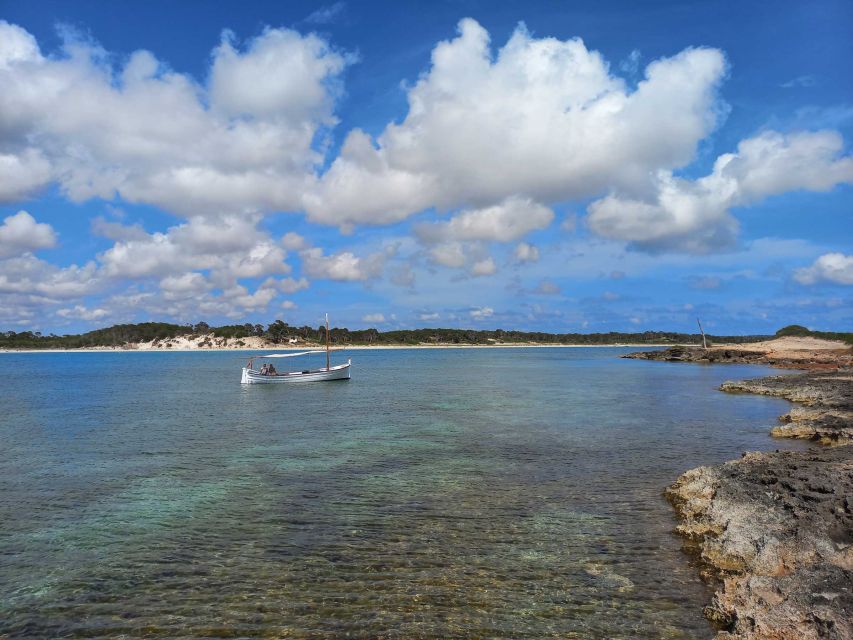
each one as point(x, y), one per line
point(537, 165)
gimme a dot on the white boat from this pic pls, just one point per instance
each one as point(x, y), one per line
point(267, 374)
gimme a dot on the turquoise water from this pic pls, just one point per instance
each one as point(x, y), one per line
point(513, 493)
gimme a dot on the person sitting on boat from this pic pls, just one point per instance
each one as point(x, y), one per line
point(265, 369)
point(271, 371)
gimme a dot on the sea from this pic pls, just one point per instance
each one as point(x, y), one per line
point(440, 493)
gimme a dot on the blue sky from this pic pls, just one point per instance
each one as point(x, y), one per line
point(548, 166)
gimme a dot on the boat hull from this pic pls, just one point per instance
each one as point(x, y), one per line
point(339, 372)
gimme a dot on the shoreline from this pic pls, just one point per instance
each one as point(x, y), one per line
point(321, 347)
point(773, 531)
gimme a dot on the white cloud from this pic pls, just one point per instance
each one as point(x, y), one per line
point(344, 266)
point(23, 173)
point(281, 77)
point(373, 317)
point(31, 276)
point(326, 13)
point(481, 313)
point(287, 285)
point(449, 254)
point(510, 220)
point(80, 312)
point(246, 141)
point(293, 241)
point(485, 267)
point(835, 268)
point(289, 304)
point(525, 252)
point(239, 296)
point(693, 216)
point(429, 316)
point(540, 117)
point(21, 233)
point(187, 284)
point(231, 246)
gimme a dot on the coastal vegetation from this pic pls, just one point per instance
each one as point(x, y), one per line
point(801, 332)
point(279, 332)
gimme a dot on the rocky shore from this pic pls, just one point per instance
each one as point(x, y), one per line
point(774, 531)
point(824, 404)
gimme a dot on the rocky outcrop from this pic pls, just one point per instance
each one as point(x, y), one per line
point(814, 360)
point(825, 414)
point(775, 530)
point(697, 354)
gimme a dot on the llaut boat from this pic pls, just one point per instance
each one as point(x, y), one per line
point(267, 374)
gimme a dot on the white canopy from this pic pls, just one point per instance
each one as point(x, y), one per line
point(288, 355)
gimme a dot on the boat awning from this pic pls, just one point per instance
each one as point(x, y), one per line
point(287, 355)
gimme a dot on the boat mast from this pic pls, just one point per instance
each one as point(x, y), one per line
point(328, 363)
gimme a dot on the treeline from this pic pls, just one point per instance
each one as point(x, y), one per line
point(280, 332)
point(800, 331)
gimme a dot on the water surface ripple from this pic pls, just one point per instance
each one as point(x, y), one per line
point(511, 493)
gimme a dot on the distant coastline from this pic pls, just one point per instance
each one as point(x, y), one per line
point(278, 335)
point(354, 347)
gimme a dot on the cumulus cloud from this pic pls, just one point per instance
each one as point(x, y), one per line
point(693, 215)
point(231, 246)
point(449, 254)
point(80, 312)
point(23, 173)
point(525, 252)
point(247, 140)
point(287, 285)
point(187, 284)
point(835, 268)
point(510, 220)
point(293, 241)
point(45, 282)
point(344, 266)
point(481, 313)
point(485, 267)
point(21, 233)
point(541, 117)
point(373, 317)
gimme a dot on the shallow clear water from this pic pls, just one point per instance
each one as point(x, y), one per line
point(440, 493)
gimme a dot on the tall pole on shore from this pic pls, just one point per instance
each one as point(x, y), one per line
point(704, 343)
point(328, 361)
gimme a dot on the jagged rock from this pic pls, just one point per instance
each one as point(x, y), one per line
point(775, 530)
point(827, 414)
point(829, 357)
